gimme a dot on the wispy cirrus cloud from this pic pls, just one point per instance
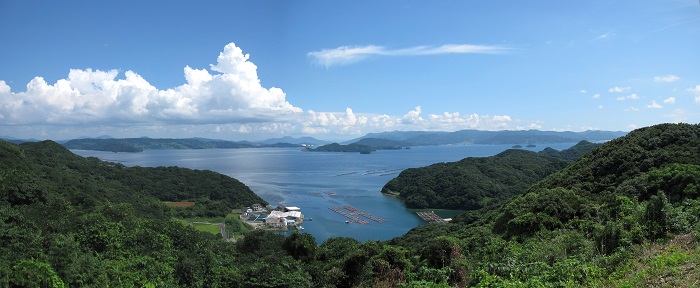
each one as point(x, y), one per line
point(666, 78)
point(605, 36)
point(350, 54)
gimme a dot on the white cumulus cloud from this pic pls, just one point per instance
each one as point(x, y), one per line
point(632, 96)
point(670, 100)
point(234, 94)
point(412, 117)
point(696, 90)
point(654, 105)
point(618, 89)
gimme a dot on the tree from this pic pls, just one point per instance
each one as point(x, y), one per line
point(657, 216)
point(33, 273)
point(301, 246)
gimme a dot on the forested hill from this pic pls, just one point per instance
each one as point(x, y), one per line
point(630, 159)
point(659, 164)
point(90, 181)
point(626, 214)
point(67, 221)
point(475, 182)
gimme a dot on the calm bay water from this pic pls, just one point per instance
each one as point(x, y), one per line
point(292, 177)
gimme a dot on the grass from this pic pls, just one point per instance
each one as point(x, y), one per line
point(213, 228)
point(206, 219)
point(210, 228)
point(673, 264)
point(238, 228)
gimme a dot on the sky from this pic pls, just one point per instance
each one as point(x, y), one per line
point(337, 70)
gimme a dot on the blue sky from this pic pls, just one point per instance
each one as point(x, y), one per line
point(251, 70)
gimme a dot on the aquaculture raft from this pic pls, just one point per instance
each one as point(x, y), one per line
point(431, 217)
point(350, 216)
point(363, 213)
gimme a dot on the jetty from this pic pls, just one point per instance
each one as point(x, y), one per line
point(431, 217)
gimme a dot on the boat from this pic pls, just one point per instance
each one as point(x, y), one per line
point(347, 221)
point(300, 228)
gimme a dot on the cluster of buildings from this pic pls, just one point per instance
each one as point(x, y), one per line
point(281, 217)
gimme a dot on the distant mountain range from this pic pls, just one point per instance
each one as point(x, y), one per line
point(17, 140)
point(419, 138)
point(140, 144)
point(292, 140)
point(377, 141)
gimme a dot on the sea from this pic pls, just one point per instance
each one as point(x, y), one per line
point(318, 181)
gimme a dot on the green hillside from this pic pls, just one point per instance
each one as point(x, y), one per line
point(474, 182)
point(67, 220)
point(593, 223)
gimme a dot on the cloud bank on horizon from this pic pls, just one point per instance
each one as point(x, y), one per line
point(227, 101)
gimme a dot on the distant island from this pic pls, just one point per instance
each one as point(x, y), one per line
point(335, 147)
point(141, 144)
